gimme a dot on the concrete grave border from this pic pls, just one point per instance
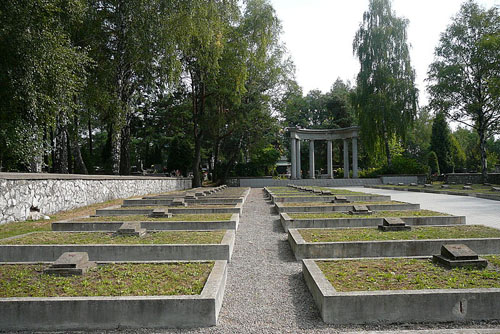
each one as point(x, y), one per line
point(319, 198)
point(345, 207)
point(288, 223)
point(174, 210)
point(387, 248)
point(442, 192)
point(114, 252)
point(397, 306)
point(91, 313)
point(113, 226)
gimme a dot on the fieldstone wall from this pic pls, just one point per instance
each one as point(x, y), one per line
point(463, 178)
point(25, 196)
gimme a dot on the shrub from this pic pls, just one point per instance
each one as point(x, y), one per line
point(433, 163)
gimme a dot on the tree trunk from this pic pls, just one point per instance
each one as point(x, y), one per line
point(125, 148)
point(61, 142)
point(482, 148)
point(115, 149)
point(80, 167)
point(387, 148)
point(197, 160)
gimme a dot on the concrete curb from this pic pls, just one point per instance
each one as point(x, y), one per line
point(174, 210)
point(167, 202)
point(90, 313)
point(289, 223)
point(344, 208)
point(112, 226)
point(320, 198)
point(114, 252)
point(386, 248)
point(363, 307)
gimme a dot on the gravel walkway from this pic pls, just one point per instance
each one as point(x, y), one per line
point(265, 291)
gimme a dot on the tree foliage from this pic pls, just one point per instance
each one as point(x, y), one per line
point(441, 143)
point(463, 80)
point(385, 98)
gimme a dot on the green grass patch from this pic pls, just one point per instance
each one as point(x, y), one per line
point(78, 238)
point(174, 218)
point(416, 233)
point(307, 204)
point(407, 274)
point(106, 280)
point(375, 214)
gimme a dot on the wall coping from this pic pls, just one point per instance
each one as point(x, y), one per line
point(49, 176)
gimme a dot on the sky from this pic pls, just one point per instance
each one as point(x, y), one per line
point(319, 34)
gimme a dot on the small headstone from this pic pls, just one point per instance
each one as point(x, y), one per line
point(459, 255)
point(200, 193)
point(453, 183)
point(178, 202)
point(401, 184)
point(487, 184)
point(393, 224)
point(160, 213)
point(445, 186)
point(467, 188)
point(360, 210)
point(326, 192)
point(191, 196)
point(340, 199)
point(316, 191)
point(70, 263)
point(495, 188)
point(468, 184)
point(130, 229)
point(390, 183)
point(413, 184)
point(427, 185)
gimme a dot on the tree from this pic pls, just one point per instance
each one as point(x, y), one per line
point(440, 143)
point(433, 162)
point(418, 139)
point(385, 97)
point(463, 80)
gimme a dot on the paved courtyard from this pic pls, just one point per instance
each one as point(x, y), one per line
point(265, 291)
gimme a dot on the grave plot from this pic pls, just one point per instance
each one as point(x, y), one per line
point(318, 194)
point(397, 290)
point(341, 219)
point(61, 296)
point(129, 243)
point(377, 242)
point(181, 209)
point(224, 221)
point(340, 203)
point(475, 190)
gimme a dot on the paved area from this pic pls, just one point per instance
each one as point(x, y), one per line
point(265, 291)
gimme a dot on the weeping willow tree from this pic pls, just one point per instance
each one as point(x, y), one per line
point(385, 98)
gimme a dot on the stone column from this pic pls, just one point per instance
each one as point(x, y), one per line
point(346, 159)
point(293, 155)
point(311, 159)
point(355, 157)
point(299, 167)
point(329, 159)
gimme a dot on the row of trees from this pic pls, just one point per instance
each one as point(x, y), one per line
point(99, 85)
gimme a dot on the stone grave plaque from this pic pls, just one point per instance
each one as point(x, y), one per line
point(70, 263)
point(130, 229)
point(340, 199)
point(427, 185)
point(467, 188)
point(495, 188)
point(445, 186)
point(401, 184)
point(326, 192)
point(360, 210)
point(191, 196)
point(459, 255)
point(178, 202)
point(160, 213)
point(413, 184)
point(317, 191)
point(393, 224)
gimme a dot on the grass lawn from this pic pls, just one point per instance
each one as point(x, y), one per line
point(338, 204)
point(106, 280)
point(416, 233)
point(407, 274)
point(145, 218)
point(79, 238)
point(375, 214)
point(17, 228)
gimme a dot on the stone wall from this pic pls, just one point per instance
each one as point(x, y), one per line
point(463, 178)
point(270, 182)
point(23, 196)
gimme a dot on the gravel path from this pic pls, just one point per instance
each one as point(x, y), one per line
point(265, 291)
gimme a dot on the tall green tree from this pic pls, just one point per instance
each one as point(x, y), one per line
point(385, 98)
point(463, 80)
point(441, 144)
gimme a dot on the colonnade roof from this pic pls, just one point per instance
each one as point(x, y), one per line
point(324, 134)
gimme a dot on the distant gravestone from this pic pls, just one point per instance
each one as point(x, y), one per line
point(340, 199)
point(326, 192)
point(160, 213)
point(445, 186)
point(413, 184)
point(179, 201)
point(459, 255)
point(360, 210)
point(393, 224)
point(401, 184)
point(70, 263)
point(427, 185)
point(190, 196)
point(200, 194)
point(495, 188)
point(130, 229)
point(467, 188)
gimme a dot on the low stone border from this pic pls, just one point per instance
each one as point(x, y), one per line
point(162, 201)
point(320, 198)
point(113, 226)
point(442, 192)
point(385, 248)
point(397, 306)
point(175, 210)
point(114, 252)
point(289, 223)
point(344, 208)
point(91, 313)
